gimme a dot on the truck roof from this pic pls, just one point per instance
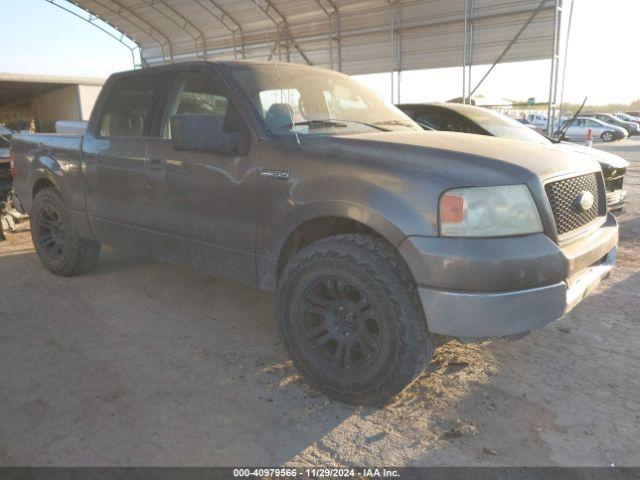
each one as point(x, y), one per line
point(228, 63)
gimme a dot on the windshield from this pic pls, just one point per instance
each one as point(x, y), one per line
point(500, 125)
point(303, 100)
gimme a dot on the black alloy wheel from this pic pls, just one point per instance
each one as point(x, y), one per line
point(351, 320)
point(59, 246)
point(341, 326)
point(51, 234)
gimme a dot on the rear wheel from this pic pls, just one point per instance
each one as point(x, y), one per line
point(351, 320)
point(607, 137)
point(58, 245)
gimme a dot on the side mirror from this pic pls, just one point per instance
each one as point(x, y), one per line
point(205, 133)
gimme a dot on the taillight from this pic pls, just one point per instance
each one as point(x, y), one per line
point(12, 163)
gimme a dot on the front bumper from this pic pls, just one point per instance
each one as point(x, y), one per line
point(484, 288)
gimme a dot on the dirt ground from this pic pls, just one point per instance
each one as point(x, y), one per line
point(143, 363)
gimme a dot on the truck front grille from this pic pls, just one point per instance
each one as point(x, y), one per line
point(564, 197)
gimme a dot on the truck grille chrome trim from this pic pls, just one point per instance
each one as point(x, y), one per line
point(565, 199)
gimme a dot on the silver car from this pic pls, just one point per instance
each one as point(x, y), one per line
point(579, 130)
point(632, 128)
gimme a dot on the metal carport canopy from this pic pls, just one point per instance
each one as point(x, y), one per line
point(353, 36)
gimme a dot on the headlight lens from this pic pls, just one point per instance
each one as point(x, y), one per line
point(488, 212)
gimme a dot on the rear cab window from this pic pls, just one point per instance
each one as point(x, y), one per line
point(128, 111)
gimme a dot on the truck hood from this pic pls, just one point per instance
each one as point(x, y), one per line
point(461, 154)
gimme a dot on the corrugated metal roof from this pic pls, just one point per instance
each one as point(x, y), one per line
point(354, 33)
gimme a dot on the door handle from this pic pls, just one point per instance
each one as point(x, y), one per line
point(156, 164)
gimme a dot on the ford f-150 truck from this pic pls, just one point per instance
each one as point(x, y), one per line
point(378, 237)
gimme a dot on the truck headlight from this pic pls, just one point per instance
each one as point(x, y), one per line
point(488, 212)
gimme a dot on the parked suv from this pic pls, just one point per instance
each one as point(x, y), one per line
point(376, 235)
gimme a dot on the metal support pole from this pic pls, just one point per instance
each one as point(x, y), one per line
point(339, 39)
point(392, 49)
point(395, 50)
point(398, 48)
point(330, 23)
point(472, 11)
point(553, 77)
point(566, 54)
point(464, 53)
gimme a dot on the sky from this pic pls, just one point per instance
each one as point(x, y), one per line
point(602, 64)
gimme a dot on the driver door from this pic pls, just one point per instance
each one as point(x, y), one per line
point(202, 203)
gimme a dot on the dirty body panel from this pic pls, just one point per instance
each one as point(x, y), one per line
point(234, 214)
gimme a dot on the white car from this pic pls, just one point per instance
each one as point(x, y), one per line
point(579, 130)
point(538, 120)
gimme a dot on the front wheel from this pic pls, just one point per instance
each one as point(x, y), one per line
point(607, 137)
point(351, 320)
point(61, 250)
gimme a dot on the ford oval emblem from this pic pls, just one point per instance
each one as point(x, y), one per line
point(585, 200)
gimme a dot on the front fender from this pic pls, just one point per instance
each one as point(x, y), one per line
point(380, 204)
point(382, 209)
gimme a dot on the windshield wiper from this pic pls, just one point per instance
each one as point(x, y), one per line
point(332, 122)
point(316, 123)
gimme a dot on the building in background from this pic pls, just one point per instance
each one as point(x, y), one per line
point(37, 100)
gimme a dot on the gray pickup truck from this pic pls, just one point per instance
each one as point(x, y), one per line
point(378, 237)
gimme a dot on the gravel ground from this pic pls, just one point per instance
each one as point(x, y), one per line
point(143, 363)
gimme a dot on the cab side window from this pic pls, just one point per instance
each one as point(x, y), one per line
point(128, 109)
point(195, 94)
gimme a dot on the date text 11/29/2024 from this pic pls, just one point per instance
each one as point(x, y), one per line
point(316, 472)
